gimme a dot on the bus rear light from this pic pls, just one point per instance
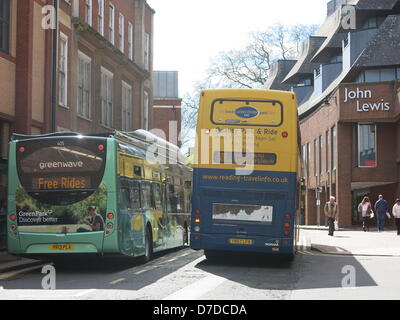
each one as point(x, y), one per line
point(13, 218)
point(197, 229)
point(197, 212)
point(197, 220)
point(286, 243)
point(286, 233)
point(196, 238)
point(286, 225)
point(22, 149)
point(13, 227)
point(101, 147)
point(108, 232)
point(110, 225)
point(110, 216)
point(287, 216)
point(15, 234)
point(285, 134)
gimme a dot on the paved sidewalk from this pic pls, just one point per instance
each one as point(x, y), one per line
point(9, 262)
point(351, 242)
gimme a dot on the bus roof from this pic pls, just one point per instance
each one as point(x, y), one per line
point(141, 139)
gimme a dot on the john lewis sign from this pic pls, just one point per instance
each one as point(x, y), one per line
point(366, 100)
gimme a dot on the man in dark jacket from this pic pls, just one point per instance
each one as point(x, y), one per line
point(381, 207)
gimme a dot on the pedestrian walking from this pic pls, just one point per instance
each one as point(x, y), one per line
point(381, 208)
point(365, 208)
point(396, 215)
point(330, 210)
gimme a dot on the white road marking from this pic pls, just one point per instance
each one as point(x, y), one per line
point(36, 294)
point(197, 289)
point(117, 281)
point(84, 293)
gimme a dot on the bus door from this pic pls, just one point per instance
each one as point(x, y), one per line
point(131, 217)
point(159, 213)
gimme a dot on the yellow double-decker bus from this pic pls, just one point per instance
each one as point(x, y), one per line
point(245, 173)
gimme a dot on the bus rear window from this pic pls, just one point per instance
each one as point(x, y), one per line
point(262, 113)
point(59, 165)
point(242, 212)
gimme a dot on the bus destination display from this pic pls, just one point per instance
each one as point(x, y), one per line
point(60, 183)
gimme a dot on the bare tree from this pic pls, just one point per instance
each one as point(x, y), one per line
point(248, 67)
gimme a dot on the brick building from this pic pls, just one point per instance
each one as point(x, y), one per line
point(104, 64)
point(104, 67)
point(167, 110)
point(348, 89)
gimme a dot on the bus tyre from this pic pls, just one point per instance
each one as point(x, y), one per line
point(185, 236)
point(148, 246)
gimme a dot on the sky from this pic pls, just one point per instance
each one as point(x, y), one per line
point(188, 33)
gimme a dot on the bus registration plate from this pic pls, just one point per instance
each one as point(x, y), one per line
point(62, 247)
point(248, 242)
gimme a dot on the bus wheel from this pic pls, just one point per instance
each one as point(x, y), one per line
point(185, 236)
point(148, 246)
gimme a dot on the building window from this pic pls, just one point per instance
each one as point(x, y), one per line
point(107, 83)
point(320, 162)
point(366, 149)
point(121, 32)
point(63, 71)
point(126, 107)
point(373, 23)
point(146, 111)
point(130, 41)
point(147, 51)
point(88, 11)
point(337, 59)
point(101, 17)
point(316, 158)
point(111, 24)
point(84, 85)
point(334, 148)
point(328, 151)
point(317, 72)
point(308, 158)
point(5, 25)
point(304, 160)
point(304, 82)
point(378, 75)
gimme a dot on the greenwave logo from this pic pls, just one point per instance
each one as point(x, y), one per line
point(247, 112)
